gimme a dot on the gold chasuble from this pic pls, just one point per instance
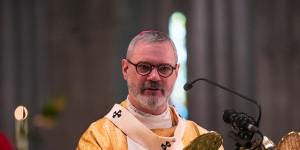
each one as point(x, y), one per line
point(120, 130)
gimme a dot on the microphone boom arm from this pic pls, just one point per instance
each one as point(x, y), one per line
point(188, 86)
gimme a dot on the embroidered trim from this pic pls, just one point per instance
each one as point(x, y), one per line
point(144, 136)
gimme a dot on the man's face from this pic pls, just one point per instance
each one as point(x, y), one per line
point(150, 93)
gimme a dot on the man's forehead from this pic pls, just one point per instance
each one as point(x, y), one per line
point(155, 57)
point(160, 50)
point(163, 46)
point(149, 48)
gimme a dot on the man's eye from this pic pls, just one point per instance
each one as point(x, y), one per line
point(144, 67)
point(164, 68)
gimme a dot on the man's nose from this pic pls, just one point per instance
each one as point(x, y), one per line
point(154, 75)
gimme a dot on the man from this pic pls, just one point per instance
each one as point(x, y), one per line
point(144, 120)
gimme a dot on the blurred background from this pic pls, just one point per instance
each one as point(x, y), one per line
point(61, 59)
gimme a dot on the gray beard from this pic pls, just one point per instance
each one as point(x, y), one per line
point(150, 102)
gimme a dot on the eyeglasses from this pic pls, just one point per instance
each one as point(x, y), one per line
point(143, 68)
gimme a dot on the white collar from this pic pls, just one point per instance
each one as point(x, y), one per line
point(163, 120)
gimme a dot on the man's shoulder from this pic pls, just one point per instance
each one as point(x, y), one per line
point(102, 128)
point(105, 122)
point(99, 135)
point(191, 126)
point(101, 121)
point(101, 124)
point(194, 126)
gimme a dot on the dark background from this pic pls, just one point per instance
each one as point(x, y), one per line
point(72, 49)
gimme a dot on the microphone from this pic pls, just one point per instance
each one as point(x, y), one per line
point(187, 86)
point(239, 121)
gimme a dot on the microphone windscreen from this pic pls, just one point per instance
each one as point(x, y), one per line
point(187, 86)
point(227, 115)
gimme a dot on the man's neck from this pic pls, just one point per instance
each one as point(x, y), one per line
point(163, 120)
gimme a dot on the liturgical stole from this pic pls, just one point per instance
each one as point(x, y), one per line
point(142, 138)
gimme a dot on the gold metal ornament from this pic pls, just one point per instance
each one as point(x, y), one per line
point(291, 141)
point(208, 141)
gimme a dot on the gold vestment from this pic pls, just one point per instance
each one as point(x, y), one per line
point(104, 135)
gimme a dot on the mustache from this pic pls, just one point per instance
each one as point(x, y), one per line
point(152, 85)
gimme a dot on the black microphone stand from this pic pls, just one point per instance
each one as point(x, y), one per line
point(243, 138)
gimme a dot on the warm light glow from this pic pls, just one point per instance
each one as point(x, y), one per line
point(177, 31)
point(21, 113)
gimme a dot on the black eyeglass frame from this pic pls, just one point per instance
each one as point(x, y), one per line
point(152, 66)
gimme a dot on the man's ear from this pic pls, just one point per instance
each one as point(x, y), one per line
point(124, 64)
